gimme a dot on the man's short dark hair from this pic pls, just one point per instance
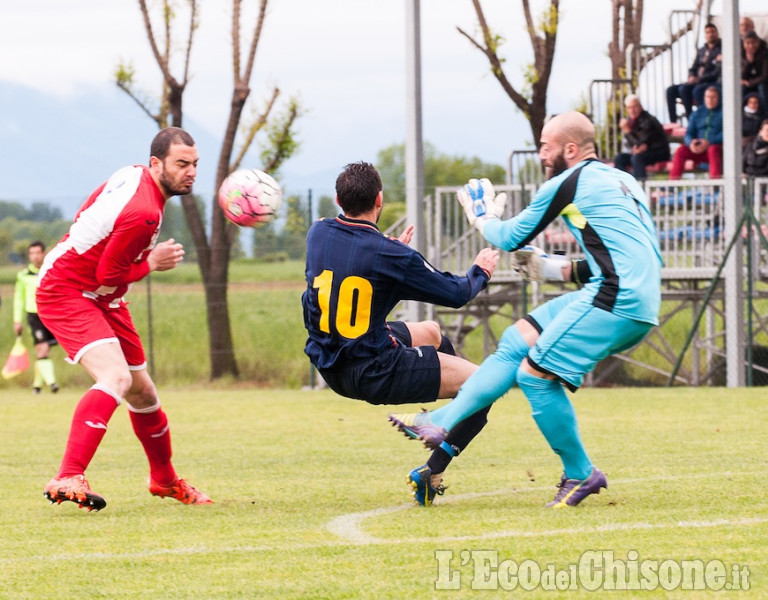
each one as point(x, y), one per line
point(357, 187)
point(170, 135)
point(710, 26)
point(36, 244)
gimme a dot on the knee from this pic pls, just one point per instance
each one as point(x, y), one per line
point(118, 381)
point(142, 394)
point(432, 333)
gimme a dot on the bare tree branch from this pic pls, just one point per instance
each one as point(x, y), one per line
point(142, 106)
point(190, 37)
point(255, 40)
point(543, 47)
point(254, 129)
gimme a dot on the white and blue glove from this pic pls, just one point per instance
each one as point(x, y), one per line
point(480, 202)
point(535, 264)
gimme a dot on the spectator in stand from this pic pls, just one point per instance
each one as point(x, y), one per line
point(705, 71)
point(703, 140)
point(745, 26)
point(756, 154)
point(644, 137)
point(754, 67)
point(751, 119)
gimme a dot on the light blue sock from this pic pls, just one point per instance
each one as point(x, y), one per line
point(490, 382)
point(556, 419)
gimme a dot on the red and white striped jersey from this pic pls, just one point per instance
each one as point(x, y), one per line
point(107, 246)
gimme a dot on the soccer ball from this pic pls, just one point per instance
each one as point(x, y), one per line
point(250, 197)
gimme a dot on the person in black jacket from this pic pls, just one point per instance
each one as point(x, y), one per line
point(644, 138)
point(751, 118)
point(756, 154)
point(705, 71)
point(754, 66)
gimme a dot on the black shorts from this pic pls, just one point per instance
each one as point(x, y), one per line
point(399, 375)
point(40, 333)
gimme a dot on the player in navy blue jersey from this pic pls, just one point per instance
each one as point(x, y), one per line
point(562, 340)
point(355, 277)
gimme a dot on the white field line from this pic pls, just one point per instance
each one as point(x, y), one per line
point(347, 529)
point(371, 541)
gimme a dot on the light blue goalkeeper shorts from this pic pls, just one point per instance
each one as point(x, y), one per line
point(576, 335)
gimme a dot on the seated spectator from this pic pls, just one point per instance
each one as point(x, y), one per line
point(751, 119)
point(754, 67)
point(756, 154)
point(746, 24)
point(705, 71)
point(644, 137)
point(703, 140)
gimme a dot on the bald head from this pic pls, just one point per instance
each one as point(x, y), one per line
point(572, 127)
point(566, 140)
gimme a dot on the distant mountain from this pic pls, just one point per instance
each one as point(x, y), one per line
point(58, 149)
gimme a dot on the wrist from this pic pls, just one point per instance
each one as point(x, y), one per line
point(480, 222)
point(554, 268)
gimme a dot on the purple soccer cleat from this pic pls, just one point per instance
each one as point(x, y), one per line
point(573, 491)
point(419, 427)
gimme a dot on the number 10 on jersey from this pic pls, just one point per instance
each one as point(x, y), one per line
point(353, 304)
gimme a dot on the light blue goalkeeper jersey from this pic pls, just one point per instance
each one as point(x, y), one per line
point(607, 211)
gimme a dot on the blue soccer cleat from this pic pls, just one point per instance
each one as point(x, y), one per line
point(420, 479)
point(419, 427)
point(573, 491)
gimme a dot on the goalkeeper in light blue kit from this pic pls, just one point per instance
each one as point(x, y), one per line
point(561, 341)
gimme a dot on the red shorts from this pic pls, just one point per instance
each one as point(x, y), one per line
point(80, 323)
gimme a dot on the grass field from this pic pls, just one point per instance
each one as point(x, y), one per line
point(311, 501)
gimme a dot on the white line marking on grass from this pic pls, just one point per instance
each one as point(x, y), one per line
point(349, 527)
point(366, 540)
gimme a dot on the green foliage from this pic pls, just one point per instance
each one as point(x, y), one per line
point(281, 142)
point(391, 212)
point(39, 212)
point(686, 481)
point(297, 215)
point(327, 207)
point(20, 225)
point(439, 170)
point(175, 225)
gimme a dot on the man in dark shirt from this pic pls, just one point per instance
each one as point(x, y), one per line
point(355, 277)
point(705, 71)
point(644, 137)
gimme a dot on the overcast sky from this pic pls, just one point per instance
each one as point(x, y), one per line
point(344, 59)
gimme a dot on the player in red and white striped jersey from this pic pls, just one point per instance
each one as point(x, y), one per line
point(110, 245)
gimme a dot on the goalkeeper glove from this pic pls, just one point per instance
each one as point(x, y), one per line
point(480, 202)
point(535, 264)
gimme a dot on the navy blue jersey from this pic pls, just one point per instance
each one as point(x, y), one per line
point(355, 277)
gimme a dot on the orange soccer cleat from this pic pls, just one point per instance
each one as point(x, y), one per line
point(73, 489)
point(180, 490)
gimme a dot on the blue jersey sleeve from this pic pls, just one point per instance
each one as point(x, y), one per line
point(422, 282)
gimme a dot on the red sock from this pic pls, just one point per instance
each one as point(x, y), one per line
point(152, 430)
point(89, 424)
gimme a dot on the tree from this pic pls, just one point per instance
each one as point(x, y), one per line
point(627, 20)
point(532, 100)
point(439, 170)
point(627, 24)
point(327, 207)
point(213, 253)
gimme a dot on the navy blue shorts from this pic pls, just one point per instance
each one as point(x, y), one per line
point(399, 375)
